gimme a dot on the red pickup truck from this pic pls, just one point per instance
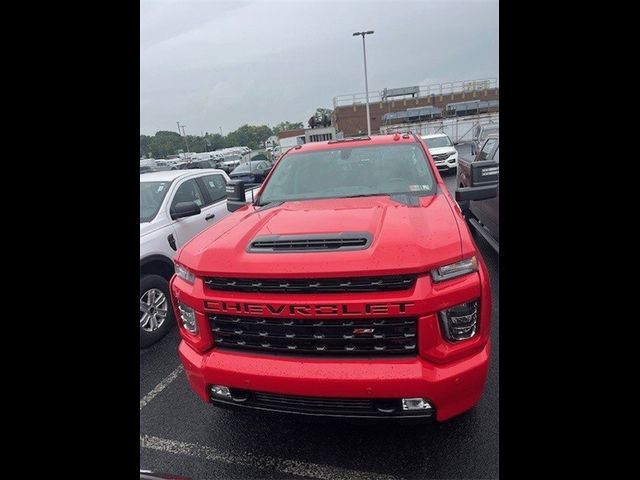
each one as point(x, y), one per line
point(350, 287)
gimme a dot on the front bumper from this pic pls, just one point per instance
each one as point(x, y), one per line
point(446, 165)
point(452, 388)
point(450, 375)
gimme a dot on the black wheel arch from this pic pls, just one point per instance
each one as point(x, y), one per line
point(157, 265)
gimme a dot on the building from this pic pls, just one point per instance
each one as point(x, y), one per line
point(320, 134)
point(300, 136)
point(349, 111)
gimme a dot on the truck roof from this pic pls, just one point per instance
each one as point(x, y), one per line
point(355, 142)
point(435, 135)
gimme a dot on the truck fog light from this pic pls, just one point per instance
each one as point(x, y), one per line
point(416, 404)
point(460, 322)
point(188, 317)
point(220, 391)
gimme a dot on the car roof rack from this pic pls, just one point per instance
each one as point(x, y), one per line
point(352, 139)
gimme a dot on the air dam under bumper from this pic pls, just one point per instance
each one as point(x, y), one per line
point(452, 388)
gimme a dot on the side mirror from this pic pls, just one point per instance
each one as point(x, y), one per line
point(484, 183)
point(185, 209)
point(236, 197)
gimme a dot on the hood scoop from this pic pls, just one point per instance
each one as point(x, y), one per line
point(323, 242)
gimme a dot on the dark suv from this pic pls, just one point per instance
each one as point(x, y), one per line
point(483, 215)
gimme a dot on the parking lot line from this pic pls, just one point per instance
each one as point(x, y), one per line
point(161, 386)
point(262, 462)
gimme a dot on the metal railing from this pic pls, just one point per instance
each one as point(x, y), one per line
point(448, 88)
point(459, 129)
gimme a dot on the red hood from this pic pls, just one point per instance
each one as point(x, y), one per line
point(405, 239)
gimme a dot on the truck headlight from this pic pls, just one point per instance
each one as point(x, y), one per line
point(185, 274)
point(188, 318)
point(459, 322)
point(454, 270)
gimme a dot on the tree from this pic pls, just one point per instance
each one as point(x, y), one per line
point(145, 140)
point(215, 141)
point(323, 111)
point(284, 126)
point(322, 117)
point(197, 144)
point(165, 143)
point(251, 136)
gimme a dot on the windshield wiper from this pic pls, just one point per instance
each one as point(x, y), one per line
point(367, 195)
point(265, 206)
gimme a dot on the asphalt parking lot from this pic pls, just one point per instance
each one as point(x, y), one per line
point(180, 434)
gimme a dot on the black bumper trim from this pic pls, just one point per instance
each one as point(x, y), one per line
point(230, 404)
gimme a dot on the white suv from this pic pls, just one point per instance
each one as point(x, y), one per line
point(175, 205)
point(443, 152)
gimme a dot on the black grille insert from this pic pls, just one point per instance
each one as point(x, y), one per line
point(313, 404)
point(317, 337)
point(313, 285)
point(441, 156)
point(329, 242)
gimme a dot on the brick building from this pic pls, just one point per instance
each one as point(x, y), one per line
point(351, 119)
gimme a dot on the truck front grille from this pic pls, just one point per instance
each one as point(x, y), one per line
point(312, 285)
point(440, 156)
point(318, 337)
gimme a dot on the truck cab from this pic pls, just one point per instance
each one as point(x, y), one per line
point(483, 215)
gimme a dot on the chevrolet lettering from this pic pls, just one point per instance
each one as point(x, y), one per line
point(309, 310)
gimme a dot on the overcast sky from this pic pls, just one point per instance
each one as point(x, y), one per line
point(211, 64)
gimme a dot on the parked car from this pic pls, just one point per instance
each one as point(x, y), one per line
point(174, 206)
point(254, 171)
point(230, 162)
point(442, 150)
point(483, 215)
point(481, 133)
point(202, 163)
point(148, 165)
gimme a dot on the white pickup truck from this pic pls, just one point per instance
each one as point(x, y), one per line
point(175, 205)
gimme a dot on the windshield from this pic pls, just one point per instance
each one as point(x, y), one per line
point(350, 172)
point(151, 196)
point(436, 142)
point(487, 131)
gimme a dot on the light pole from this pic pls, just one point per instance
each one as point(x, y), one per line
point(366, 83)
point(183, 135)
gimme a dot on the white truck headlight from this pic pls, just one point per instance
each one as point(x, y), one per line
point(454, 270)
point(185, 274)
